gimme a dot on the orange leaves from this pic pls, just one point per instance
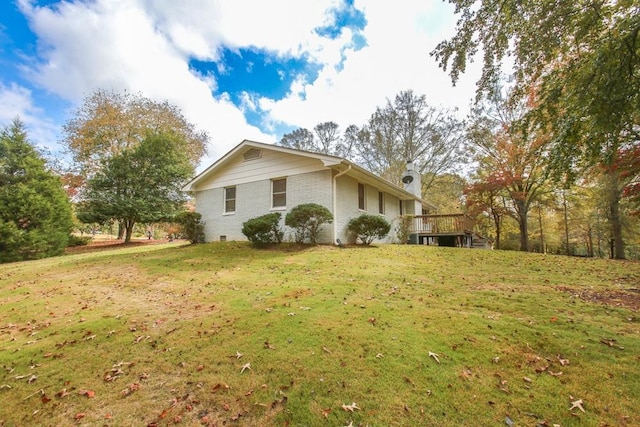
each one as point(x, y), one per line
point(89, 393)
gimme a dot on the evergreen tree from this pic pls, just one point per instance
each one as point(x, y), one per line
point(35, 213)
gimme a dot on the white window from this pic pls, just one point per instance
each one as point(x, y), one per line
point(381, 202)
point(229, 199)
point(279, 193)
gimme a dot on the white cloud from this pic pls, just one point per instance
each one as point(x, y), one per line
point(115, 45)
point(145, 46)
point(399, 37)
point(17, 102)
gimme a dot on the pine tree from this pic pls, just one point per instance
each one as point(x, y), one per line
point(35, 213)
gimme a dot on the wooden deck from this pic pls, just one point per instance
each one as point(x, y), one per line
point(441, 225)
point(445, 230)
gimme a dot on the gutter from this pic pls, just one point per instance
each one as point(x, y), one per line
point(335, 202)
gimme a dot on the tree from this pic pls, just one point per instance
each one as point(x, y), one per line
point(140, 184)
point(410, 129)
point(486, 196)
point(35, 213)
point(515, 155)
point(583, 58)
point(447, 192)
point(109, 123)
point(325, 139)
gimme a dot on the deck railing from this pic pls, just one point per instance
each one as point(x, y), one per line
point(441, 224)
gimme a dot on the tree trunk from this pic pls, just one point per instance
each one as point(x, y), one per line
point(121, 230)
point(521, 209)
point(614, 217)
point(566, 223)
point(616, 226)
point(541, 231)
point(496, 220)
point(128, 228)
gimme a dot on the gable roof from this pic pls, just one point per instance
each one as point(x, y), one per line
point(339, 164)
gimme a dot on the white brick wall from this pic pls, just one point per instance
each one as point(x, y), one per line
point(347, 207)
point(253, 199)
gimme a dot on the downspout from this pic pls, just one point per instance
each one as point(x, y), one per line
point(335, 202)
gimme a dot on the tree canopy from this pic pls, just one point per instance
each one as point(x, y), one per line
point(140, 184)
point(108, 123)
point(35, 213)
point(583, 58)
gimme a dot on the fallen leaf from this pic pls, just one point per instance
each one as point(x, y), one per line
point(219, 386)
point(131, 388)
point(435, 356)
point(577, 404)
point(326, 412)
point(350, 408)
point(563, 362)
point(238, 355)
point(62, 393)
point(79, 416)
point(89, 393)
point(326, 350)
point(245, 367)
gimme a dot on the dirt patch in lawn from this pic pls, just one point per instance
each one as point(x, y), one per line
point(627, 298)
point(101, 245)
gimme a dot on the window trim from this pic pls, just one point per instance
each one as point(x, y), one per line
point(227, 199)
point(273, 194)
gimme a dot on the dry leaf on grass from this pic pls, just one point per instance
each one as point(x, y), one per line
point(131, 388)
point(245, 367)
point(435, 356)
point(577, 404)
point(350, 408)
point(89, 393)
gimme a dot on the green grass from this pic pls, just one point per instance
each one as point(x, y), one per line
point(320, 327)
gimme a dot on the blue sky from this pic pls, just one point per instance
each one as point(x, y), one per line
point(242, 69)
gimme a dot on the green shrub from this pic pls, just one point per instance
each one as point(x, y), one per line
point(75, 240)
point(367, 228)
point(307, 220)
point(264, 229)
point(192, 227)
point(403, 229)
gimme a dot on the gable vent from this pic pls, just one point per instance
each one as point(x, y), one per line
point(252, 154)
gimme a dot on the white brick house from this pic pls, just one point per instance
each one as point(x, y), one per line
point(254, 179)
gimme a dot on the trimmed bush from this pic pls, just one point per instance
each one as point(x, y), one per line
point(367, 228)
point(191, 226)
point(264, 229)
point(79, 240)
point(307, 220)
